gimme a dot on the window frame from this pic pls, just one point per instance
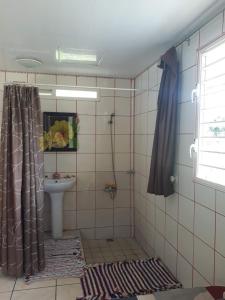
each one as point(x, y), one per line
point(197, 100)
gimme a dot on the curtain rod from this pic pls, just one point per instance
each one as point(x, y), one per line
point(72, 86)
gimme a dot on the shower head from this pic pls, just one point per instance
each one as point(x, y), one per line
point(111, 118)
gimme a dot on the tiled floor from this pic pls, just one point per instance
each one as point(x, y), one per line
point(97, 251)
point(69, 288)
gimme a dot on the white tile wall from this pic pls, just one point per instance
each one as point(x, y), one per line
point(186, 229)
point(86, 206)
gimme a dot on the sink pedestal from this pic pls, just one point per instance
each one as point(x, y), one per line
point(57, 215)
point(56, 189)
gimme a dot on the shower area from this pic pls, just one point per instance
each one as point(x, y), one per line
point(97, 208)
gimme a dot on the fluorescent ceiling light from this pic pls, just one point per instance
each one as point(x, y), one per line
point(45, 92)
point(76, 94)
point(82, 56)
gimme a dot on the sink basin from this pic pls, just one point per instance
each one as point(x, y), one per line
point(58, 185)
point(56, 189)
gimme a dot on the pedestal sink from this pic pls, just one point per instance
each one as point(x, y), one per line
point(56, 189)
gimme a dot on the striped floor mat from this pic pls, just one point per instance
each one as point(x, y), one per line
point(128, 278)
point(63, 259)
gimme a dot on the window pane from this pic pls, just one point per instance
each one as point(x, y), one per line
point(212, 144)
point(211, 135)
point(211, 174)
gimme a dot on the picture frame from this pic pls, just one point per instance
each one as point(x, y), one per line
point(60, 131)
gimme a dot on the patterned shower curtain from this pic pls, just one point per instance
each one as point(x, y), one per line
point(21, 183)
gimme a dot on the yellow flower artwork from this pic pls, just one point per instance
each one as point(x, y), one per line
point(60, 132)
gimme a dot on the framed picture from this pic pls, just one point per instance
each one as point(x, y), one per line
point(60, 131)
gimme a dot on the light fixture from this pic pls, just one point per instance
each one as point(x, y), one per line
point(76, 94)
point(29, 62)
point(45, 92)
point(77, 56)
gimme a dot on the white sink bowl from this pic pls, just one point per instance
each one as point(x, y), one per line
point(56, 189)
point(58, 185)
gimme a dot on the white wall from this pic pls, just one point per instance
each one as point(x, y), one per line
point(86, 206)
point(187, 229)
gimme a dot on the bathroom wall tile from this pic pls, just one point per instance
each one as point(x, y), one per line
point(102, 178)
point(187, 117)
point(46, 78)
point(66, 105)
point(122, 161)
point(186, 213)
point(48, 105)
point(203, 253)
point(103, 162)
point(85, 200)
point(219, 270)
point(69, 201)
point(103, 143)
point(184, 143)
point(85, 162)
point(198, 280)
point(125, 84)
point(185, 243)
point(16, 76)
point(122, 216)
point(205, 224)
point(105, 106)
point(86, 81)
point(85, 107)
point(122, 232)
point(152, 100)
point(122, 106)
point(49, 162)
point(85, 219)
point(152, 76)
point(103, 200)
point(151, 121)
point(86, 125)
point(159, 246)
point(122, 125)
point(102, 125)
point(106, 82)
point(141, 144)
point(160, 202)
point(66, 79)
point(172, 206)
point(184, 272)
point(122, 143)
point(69, 220)
point(141, 124)
point(160, 221)
point(85, 181)
point(31, 78)
point(186, 185)
point(170, 258)
point(171, 231)
point(104, 233)
point(220, 237)
point(220, 202)
point(87, 233)
point(123, 198)
point(189, 51)
point(66, 162)
point(211, 30)
point(104, 217)
point(188, 83)
point(205, 195)
point(86, 143)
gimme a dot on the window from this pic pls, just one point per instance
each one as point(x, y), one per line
point(210, 142)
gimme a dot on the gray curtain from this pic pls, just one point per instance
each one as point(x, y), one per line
point(21, 183)
point(163, 152)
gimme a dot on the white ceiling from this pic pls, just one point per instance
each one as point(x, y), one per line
point(129, 33)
